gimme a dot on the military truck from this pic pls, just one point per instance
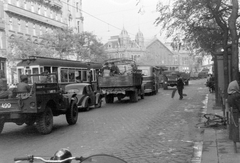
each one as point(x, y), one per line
point(170, 78)
point(127, 83)
point(44, 101)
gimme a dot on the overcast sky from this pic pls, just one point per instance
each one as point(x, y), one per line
point(106, 18)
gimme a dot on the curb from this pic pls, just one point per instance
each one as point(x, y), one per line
point(217, 148)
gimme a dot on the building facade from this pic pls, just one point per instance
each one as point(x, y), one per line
point(121, 46)
point(29, 19)
point(183, 55)
point(159, 55)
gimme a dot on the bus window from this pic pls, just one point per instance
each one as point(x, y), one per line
point(78, 76)
point(20, 72)
point(41, 70)
point(35, 78)
point(47, 69)
point(71, 75)
point(94, 75)
point(84, 75)
point(54, 69)
point(64, 75)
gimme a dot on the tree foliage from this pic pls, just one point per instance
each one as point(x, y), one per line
point(61, 43)
point(199, 23)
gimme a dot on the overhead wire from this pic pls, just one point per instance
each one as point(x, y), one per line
point(109, 24)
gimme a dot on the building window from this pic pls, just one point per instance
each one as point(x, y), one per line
point(51, 14)
point(45, 11)
point(27, 30)
point(1, 40)
point(34, 30)
point(25, 5)
point(10, 23)
point(40, 29)
point(19, 25)
point(78, 26)
point(77, 6)
point(18, 3)
point(39, 9)
point(32, 6)
point(56, 16)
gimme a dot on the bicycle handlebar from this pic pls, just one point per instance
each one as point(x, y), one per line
point(27, 158)
point(32, 158)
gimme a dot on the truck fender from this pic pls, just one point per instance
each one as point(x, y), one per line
point(85, 101)
point(97, 98)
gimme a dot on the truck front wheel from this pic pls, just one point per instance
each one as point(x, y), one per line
point(134, 96)
point(44, 122)
point(109, 98)
point(1, 125)
point(72, 114)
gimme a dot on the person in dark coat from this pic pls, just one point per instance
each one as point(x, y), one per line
point(114, 69)
point(23, 86)
point(180, 86)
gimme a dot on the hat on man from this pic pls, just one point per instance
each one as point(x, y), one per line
point(23, 77)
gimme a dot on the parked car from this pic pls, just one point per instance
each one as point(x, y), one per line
point(85, 95)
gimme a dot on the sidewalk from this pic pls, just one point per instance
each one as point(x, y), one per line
point(217, 148)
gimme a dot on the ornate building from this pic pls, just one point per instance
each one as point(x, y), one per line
point(121, 46)
point(159, 55)
point(29, 19)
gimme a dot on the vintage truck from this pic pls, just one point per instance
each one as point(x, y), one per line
point(128, 82)
point(170, 78)
point(44, 101)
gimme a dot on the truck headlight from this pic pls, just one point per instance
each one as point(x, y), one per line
point(32, 105)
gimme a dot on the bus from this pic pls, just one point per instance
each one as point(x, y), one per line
point(68, 71)
point(150, 78)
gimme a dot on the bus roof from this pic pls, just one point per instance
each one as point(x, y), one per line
point(117, 60)
point(45, 61)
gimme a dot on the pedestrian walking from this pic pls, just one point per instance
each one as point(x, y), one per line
point(234, 94)
point(234, 103)
point(180, 86)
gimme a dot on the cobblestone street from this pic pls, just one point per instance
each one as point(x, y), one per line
point(156, 129)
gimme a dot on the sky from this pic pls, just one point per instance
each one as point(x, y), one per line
point(106, 18)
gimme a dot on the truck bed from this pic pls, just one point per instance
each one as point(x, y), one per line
point(120, 81)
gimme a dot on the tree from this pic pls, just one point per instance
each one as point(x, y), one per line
point(204, 24)
point(60, 43)
point(88, 46)
point(235, 37)
point(61, 40)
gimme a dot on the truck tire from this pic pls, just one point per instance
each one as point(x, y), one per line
point(134, 96)
point(1, 125)
point(72, 114)
point(109, 99)
point(44, 122)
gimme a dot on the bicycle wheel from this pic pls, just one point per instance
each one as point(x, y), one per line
point(213, 117)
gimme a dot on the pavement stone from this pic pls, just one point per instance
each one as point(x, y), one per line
point(217, 147)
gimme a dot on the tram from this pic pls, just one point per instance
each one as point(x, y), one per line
point(68, 71)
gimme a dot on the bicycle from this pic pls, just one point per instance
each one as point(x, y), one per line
point(213, 120)
point(65, 156)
